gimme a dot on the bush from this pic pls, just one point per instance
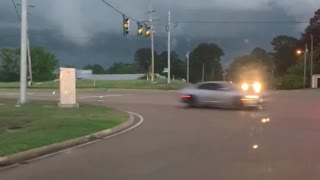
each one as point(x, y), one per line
point(290, 81)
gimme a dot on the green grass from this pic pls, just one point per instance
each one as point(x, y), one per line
point(106, 84)
point(43, 123)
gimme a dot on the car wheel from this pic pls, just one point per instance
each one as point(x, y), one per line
point(237, 103)
point(258, 108)
point(193, 102)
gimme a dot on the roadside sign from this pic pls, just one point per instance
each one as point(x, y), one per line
point(165, 70)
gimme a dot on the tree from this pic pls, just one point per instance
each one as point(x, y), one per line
point(264, 57)
point(313, 29)
point(261, 54)
point(284, 54)
point(247, 67)
point(143, 58)
point(9, 65)
point(44, 64)
point(96, 68)
point(293, 79)
point(162, 63)
point(208, 55)
point(178, 67)
point(122, 68)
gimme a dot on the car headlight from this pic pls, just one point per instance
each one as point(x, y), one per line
point(257, 87)
point(245, 86)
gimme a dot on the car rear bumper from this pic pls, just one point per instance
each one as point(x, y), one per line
point(185, 98)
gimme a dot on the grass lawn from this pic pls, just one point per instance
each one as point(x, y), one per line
point(106, 84)
point(43, 123)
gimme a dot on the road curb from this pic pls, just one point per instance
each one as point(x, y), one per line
point(42, 151)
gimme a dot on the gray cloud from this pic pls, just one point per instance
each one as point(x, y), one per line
point(84, 31)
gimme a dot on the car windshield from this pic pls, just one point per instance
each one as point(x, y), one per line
point(110, 89)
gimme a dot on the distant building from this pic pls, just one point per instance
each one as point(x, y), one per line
point(88, 75)
point(84, 74)
point(116, 76)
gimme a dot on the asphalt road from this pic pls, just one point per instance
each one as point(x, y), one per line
point(178, 143)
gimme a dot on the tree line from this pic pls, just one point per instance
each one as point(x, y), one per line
point(283, 62)
point(44, 64)
point(207, 55)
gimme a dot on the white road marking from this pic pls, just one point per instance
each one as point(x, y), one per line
point(141, 119)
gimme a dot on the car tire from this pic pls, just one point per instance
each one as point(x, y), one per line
point(237, 103)
point(193, 102)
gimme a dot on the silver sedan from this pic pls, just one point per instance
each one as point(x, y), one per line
point(221, 94)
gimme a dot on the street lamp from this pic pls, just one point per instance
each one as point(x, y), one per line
point(299, 52)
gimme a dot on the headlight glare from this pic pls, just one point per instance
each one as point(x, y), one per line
point(245, 86)
point(257, 87)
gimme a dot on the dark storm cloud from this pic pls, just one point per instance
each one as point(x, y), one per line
point(87, 31)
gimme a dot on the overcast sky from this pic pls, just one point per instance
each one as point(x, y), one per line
point(80, 32)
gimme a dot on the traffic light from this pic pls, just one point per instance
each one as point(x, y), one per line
point(140, 29)
point(126, 25)
point(148, 31)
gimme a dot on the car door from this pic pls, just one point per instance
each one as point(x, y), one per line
point(226, 94)
point(209, 93)
point(217, 96)
point(203, 93)
point(223, 94)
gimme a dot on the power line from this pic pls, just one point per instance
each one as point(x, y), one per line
point(243, 22)
point(15, 7)
point(120, 12)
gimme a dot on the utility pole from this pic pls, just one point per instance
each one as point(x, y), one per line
point(169, 27)
point(169, 48)
point(152, 41)
point(23, 61)
point(305, 65)
point(188, 67)
point(311, 61)
point(28, 43)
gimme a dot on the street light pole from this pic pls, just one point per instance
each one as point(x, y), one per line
point(305, 65)
point(152, 55)
point(188, 67)
point(23, 60)
point(311, 61)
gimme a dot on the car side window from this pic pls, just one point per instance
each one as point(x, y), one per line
point(204, 86)
point(208, 86)
point(221, 87)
